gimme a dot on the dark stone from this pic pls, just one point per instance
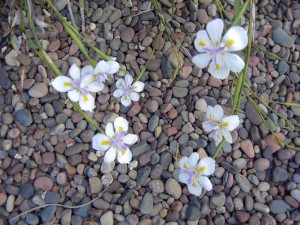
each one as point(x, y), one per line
point(24, 117)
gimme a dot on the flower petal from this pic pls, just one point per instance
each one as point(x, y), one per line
point(124, 156)
point(74, 95)
point(113, 67)
point(87, 102)
point(134, 96)
point(184, 163)
point(74, 72)
point(87, 71)
point(184, 178)
point(118, 93)
point(128, 79)
point(130, 139)
point(205, 183)
point(193, 159)
point(227, 135)
point(206, 166)
point(109, 130)
point(214, 29)
point(218, 138)
point(138, 86)
point(86, 80)
point(120, 124)
point(202, 40)
point(101, 67)
point(209, 126)
point(126, 101)
point(202, 60)
point(235, 39)
point(110, 155)
point(95, 86)
point(100, 142)
point(215, 113)
point(62, 84)
point(233, 62)
point(220, 70)
point(230, 122)
point(120, 83)
point(195, 188)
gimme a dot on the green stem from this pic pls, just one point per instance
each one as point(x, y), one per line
point(240, 13)
point(148, 61)
point(276, 56)
point(89, 119)
point(219, 148)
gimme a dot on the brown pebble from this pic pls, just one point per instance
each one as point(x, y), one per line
point(242, 216)
point(272, 142)
point(24, 59)
point(73, 49)
point(3, 198)
point(247, 148)
point(135, 109)
point(44, 183)
point(48, 158)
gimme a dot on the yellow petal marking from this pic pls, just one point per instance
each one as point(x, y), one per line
point(66, 84)
point(121, 129)
point(201, 169)
point(85, 98)
point(194, 184)
point(122, 152)
point(105, 142)
point(134, 87)
point(218, 66)
point(202, 43)
point(185, 166)
point(229, 42)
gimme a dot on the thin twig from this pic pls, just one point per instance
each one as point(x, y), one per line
point(71, 14)
point(64, 206)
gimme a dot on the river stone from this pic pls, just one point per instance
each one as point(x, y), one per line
point(38, 90)
point(282, 38)
point(279, 206)
point(252, 114)
point(5, 82)
point(24, 117)
point(147, 203)
point(47, 213)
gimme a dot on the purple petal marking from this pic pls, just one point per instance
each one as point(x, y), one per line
point(76, 85)
point(118, 141)
point(215, 51)
point(190, 172)
point(101, 78)
point(214, 133)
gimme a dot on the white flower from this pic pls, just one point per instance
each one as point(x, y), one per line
point(77, 87)
point(100, 73)
point(194, 174)
point(217, 50)
point(220, 125)
point(115, 141)
point(128, 91)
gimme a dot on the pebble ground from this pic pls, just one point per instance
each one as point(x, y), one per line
point(45, 146)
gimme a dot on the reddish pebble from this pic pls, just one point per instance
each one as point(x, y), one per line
point(170, 131)
point(3, 198)
point(73, 49)
point(135, 109)
point(247, 148)
point(272, 142)
point(44, 183)
point(48, 158)
point(254, 60)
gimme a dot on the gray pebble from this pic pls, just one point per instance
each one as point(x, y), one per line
point(147, 203)
point(282, 38)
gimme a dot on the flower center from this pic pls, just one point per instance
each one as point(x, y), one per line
point(117, 141)
point(76, 85)
point(191, 173)
point(216, 51)
point(127, 90)
point(101, 77)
